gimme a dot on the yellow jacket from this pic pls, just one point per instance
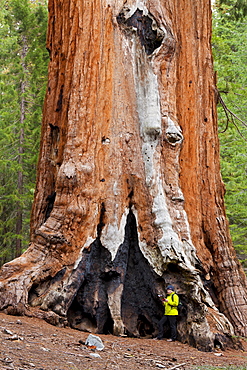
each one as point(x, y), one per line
point(171, 307)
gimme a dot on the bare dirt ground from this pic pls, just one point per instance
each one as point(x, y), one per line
point(30, 343)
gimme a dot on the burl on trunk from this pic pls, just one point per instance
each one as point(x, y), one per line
point(129, 195)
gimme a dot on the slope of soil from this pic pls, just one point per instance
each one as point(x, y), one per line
point(30, 343)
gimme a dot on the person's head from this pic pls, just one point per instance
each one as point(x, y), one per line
point(170, 289)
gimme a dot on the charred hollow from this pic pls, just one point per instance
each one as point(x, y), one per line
point(50, 203)
point(140, 307)
point(150, 35)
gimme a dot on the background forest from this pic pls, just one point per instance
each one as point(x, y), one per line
point(23, 78)
point(230, 59)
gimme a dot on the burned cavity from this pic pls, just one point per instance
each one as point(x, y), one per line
point(150, 35)
point(100, 277)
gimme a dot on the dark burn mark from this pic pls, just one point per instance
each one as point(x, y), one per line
point(55, 137)
point(131, 194)
point(38, 289)
point(151, 37)
point(96, 270)
point(54, 132)
point(99, 276)
point(140, 310)
point(101, 223)
point(50, 203)
point(60, 100)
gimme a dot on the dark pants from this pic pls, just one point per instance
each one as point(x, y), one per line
point(172, 322)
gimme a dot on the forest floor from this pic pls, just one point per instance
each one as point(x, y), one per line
point(29, 343)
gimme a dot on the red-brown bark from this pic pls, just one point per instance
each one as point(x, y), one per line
point(129, 195)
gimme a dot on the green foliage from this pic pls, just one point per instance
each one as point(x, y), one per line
point(232, 8)
point(230, 55)
point(23, 74)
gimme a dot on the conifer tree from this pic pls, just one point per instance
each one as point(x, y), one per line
point(233, 8)
point(230, 58)
point(23, 67)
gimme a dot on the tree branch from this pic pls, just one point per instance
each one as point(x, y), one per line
point(230, 116)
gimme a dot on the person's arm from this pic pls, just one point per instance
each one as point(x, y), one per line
point(164, 300)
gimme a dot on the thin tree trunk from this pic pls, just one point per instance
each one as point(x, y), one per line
point(129, 196)
point(19, 210)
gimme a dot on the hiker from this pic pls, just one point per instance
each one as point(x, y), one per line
point(170, 316)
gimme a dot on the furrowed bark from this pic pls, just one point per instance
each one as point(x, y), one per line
point(129, 195)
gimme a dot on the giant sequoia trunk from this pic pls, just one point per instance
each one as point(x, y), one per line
point(129, 196)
